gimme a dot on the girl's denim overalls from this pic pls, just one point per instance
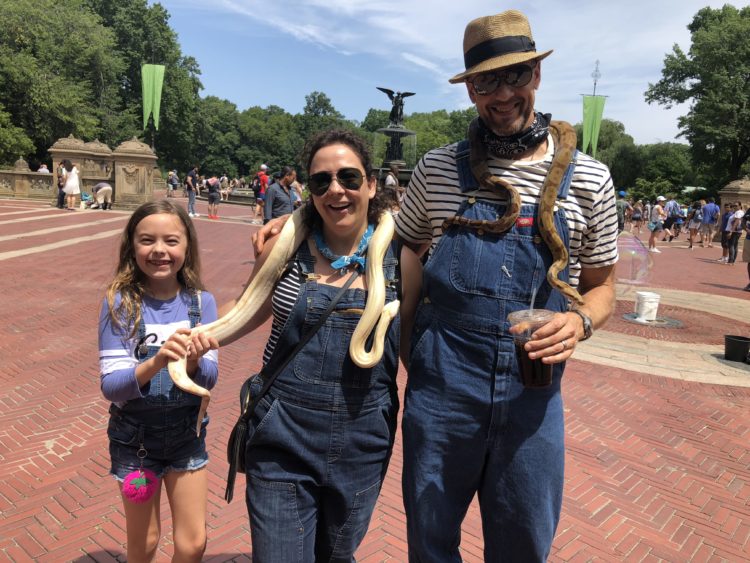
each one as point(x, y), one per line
point(469, 425)
point(321, 438)
point(163, 421)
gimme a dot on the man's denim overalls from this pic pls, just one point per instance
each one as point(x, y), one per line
point(321, 439)
point(163, 420)
point(469, 425)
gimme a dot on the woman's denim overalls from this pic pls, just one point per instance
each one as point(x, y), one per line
point(321, 438)
point(469, 425)
point(163, 421)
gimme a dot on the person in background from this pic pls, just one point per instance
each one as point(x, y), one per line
point(735, 229)
point(173, 181)
point(746, 245)
point(259, 186)
point(637, 217)
point(103, 195)
point(60, 185)
point(72, 185)
point(213, 185)
point(43, 169)
point(656, 223)
point(623, 210)
point(725, 217)
point(191, 186)
point(279, 200)
point(694, 218)
point(711, 214)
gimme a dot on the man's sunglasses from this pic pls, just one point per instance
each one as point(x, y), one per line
point(349, 178)
point(515, 77)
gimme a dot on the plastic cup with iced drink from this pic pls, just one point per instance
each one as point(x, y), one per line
point(534, 373)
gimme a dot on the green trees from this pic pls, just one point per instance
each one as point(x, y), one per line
point(715, 77)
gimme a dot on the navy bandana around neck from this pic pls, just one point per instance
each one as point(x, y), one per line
point(515, 145)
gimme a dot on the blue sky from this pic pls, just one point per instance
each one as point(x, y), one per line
point(258, 53)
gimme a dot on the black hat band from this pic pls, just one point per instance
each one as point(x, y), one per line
point(496, 47)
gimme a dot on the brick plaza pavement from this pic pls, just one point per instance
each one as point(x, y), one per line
point(657, 468)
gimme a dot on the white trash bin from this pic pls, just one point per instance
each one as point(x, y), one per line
point(646, 305)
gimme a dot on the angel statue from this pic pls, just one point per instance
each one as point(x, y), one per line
point(396, 117)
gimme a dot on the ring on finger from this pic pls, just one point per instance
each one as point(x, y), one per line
point(565, 345)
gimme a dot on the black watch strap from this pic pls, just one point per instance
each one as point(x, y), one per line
point(588, 326)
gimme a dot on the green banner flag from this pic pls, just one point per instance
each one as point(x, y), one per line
point(593, 108)
point(152, 78)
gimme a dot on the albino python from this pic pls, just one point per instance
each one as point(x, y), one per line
point(256, 293)
point(565, 144)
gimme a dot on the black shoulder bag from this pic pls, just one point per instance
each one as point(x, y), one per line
point(238, 436)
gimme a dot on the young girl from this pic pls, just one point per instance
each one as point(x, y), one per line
point(154, 299)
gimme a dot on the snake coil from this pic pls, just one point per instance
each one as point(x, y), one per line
point(261, 286)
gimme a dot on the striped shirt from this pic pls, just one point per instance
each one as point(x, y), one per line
point(434, 195)
point(284, 297)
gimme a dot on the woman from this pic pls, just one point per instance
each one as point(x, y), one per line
point(656, 223)
point(734, 228)
point(637, 217)
point(321, 438)
point(694, 222)
point(72, 185)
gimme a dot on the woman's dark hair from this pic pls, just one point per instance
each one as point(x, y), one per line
point(67, 164)
point(377, 205)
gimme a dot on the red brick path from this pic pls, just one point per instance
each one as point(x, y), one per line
point(657, 469)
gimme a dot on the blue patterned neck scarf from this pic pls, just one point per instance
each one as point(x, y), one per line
point(342, 263)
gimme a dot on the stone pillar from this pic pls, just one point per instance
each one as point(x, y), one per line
point(738, 190)
point(134, 171)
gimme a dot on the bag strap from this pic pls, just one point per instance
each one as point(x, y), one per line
point(301, 344)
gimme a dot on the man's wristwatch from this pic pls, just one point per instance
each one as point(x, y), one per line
point(588, 327)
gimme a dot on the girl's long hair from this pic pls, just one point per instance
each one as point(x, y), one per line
point(129, 280)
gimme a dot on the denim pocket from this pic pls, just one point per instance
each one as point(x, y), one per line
point(122, 432)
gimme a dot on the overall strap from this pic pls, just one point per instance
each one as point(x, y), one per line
point(395, 249)
point(562, 192)
point(194, 312)
point(305, 259)
point(466, 179)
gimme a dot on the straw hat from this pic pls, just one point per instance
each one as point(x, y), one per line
point(499, 41)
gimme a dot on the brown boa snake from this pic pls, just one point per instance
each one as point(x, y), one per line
point(565, 144)
point(261, 286)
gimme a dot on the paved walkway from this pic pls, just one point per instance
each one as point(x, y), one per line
point(658, 461)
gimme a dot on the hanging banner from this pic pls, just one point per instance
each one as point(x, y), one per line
point(152, 78)
point(593, 109)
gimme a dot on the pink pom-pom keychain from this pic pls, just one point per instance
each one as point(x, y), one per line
point(141, 484)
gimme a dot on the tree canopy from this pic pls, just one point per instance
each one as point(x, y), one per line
point(74, 67)
point(714, 76)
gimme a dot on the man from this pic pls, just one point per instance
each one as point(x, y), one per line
point(103, 194)
point(735, 228)
point(672, 209)
point(623, 211)
point(173, 180)
point(43, 169)
point(710, 220)
point(469, 425)
point(259, 186)
point(60, 186)
point(279, 199)
point(191, 185)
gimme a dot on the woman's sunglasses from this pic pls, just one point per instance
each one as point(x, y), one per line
point(515, 77)
point(349, 178)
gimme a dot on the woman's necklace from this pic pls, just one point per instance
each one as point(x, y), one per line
point(342, 263)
